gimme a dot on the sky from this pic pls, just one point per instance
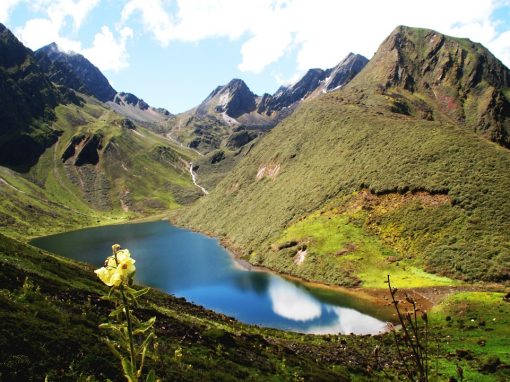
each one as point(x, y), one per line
point(173, 53)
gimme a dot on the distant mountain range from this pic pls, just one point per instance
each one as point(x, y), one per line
point(233, 107)
point(229, 107)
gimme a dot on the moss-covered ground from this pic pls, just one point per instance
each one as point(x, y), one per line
point(339, 251)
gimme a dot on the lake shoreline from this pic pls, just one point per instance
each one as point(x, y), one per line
point(379, 298)
point(237, 254)
point(426, 297)
point(197, 268)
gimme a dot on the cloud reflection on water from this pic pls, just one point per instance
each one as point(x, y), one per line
point(348, 321)
point(296, 304)
point(291, 302)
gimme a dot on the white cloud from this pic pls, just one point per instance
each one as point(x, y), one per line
point(154, 18)
point(107, 52)
point(500, 46)
point(263, 48)
point(291, 302)
point(5, 9)
point(59, 11)
point(320, 32)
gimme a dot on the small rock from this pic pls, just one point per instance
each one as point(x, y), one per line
point(464, 354)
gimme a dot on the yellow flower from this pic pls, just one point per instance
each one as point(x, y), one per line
point(126, 267)
point(122, 255)
point(109, 276)
point(118, 268)
point(111, 262)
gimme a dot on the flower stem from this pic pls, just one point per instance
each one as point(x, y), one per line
point(130, 329)
point(115, 248)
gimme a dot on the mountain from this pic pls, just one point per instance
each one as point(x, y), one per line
point(67, 160)
point(313, 83)
point(232, 115)
point(137, 109)
point(90, 79)
point(232, 100)
point(394, 173)
point(74, 71)
point(27, 97)
point(432, 76)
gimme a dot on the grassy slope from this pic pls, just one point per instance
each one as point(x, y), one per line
point(49, 304)
point(361, 147)
point(138, 167)
point(472, 331)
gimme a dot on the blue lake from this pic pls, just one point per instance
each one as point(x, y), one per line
point(198, 268)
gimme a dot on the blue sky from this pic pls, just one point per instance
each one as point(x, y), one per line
point(173, 53)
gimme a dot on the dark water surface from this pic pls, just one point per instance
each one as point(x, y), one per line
point(198, 268)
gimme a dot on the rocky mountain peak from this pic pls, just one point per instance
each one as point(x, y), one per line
point(345, 71)
point(314, 82)
point(234, 99)
point(236, 84)
point(456, 78)
point(14, 53)
point(414, 58)
point(95, 83)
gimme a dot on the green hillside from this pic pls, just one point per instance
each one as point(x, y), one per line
point(101, 169)
point(425, 190)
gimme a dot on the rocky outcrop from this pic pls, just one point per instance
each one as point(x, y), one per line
point(313, 83)
point(455, 78)
point(83, 149)
point(345, 71)
point(233, 99)
point(130, 99)
point(137, 109)
point(287, 96)
point(90, 79)
point(240, 138)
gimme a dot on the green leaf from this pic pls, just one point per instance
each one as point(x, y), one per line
point(151, 377)
point(144, 326)
point(128, 370)
point(113, 349)
point(109, 326)
point(141, 292)
point(116, 311)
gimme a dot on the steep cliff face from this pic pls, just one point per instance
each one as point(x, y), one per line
point(439, 77)
point(233, 99)
point(312, 84)
point(345, 71)
point(75, 71)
